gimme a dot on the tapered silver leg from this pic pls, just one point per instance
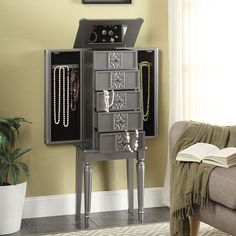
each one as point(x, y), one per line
point(87, 188)
point(140, 180)
point(130, 183)
point(79, 177)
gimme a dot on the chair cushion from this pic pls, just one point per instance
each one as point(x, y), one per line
point(222, 186)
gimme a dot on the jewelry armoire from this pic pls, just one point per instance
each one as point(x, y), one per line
point(101, 97)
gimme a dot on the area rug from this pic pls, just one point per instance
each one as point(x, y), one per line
point(157, 229)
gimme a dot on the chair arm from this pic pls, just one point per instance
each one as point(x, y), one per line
point(175, 131)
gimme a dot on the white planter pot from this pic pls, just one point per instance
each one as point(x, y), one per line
point(11, 207)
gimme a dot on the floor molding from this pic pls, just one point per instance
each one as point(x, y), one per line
point(166, 196)
point(55, 205)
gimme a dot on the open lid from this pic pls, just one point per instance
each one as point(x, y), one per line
point(107, 33)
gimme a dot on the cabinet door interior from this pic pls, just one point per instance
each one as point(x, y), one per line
point(148, 69)
point(62, 96)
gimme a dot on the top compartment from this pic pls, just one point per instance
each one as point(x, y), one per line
point(107, 33)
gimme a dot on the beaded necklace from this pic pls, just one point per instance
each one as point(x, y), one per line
point(135, 144)
point(63, 77)
point(57, 107)
point(107, 99)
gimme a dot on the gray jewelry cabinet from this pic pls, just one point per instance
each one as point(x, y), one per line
point(101, 96)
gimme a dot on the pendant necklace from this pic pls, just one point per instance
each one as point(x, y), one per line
point(141, 66)
point(74, 89)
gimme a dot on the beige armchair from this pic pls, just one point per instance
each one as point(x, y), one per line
point(221, 212)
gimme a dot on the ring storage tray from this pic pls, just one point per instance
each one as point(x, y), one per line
point(107, 33)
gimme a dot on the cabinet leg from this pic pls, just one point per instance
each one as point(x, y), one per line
point(87, 188)
point(79, 176)
point(140, 180)
point(130, 184)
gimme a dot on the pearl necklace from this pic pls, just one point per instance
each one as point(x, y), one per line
point(63, 74)
point(127, 136)
point(141, 65)
point(57, 112)
point(107, 99)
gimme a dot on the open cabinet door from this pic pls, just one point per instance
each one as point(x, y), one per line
point(148, 69)
point(62, 96)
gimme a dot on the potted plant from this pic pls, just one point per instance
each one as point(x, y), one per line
point(12, 194)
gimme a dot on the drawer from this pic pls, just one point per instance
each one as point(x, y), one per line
point(123, 100)
point(118, 121)
point(117, 142)
point(113, 60)
point(116, 80)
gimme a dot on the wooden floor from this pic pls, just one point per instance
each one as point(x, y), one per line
point(71, 223)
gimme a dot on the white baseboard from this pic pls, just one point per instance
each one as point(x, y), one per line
point(166, 196)
point(55, 205)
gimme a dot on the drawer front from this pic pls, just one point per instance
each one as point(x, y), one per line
point(118, 121)
point(123, 100)
point(117, 142)
point(113, 60)
point(116, 80)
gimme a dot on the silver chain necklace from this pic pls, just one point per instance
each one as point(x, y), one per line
point(141, 66)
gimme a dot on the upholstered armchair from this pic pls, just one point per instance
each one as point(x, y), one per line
point(221, 211)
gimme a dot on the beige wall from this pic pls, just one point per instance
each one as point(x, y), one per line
point(30, 26)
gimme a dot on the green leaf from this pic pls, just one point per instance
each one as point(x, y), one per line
point(3, 169)
point(5, 121)
point(10, 167)
point(3, 156)
point(16, 122)
point(3, 142)
point(24, 168)
point(19, 152)
point(7, 131)
point(14, 173)
point(11, 125)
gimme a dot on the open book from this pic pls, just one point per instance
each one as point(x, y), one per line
point(208, 153)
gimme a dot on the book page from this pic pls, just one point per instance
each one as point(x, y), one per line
point(214, 163)
point(199, 150)
point(223, 153)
